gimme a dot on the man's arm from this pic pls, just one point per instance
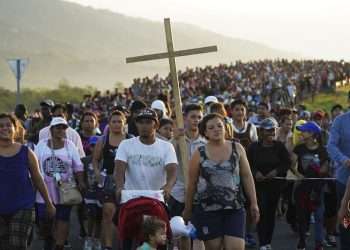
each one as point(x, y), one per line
point(333, 143)
point(343, 211)
point(248, 183)
point(77, 142)
point(170, 174)
point(119, 177)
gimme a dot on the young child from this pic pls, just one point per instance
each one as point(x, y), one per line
point(154, 231)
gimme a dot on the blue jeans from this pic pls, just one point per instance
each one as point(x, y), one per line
point(319, 218)
point(344, 233)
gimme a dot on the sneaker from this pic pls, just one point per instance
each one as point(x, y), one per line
point(67, 245)
point(301, 245)
point(250, 241)
point(88, 244)
point(268, 247)
point(263, 248)
point(97, 244)
point(330, 241)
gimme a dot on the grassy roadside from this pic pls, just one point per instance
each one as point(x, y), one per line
point(325, 101)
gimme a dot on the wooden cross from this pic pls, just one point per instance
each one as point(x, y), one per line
point(171, 54)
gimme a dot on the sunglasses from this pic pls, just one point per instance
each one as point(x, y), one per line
point(60, 127)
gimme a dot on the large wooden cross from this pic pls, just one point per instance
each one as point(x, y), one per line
point(171, 54)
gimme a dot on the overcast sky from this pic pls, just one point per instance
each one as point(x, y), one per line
point(313, 28)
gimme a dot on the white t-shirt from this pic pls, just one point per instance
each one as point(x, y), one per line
point(65, 161)
point(71, 134)
point(146, 163)
point(178, 191)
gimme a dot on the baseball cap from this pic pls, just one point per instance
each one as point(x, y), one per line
point(318, 114)
point(268, 123)
point(310, 127)
point(210, 99)
point(47, 102)
point(58, 121)
point(147, 113)
point(159, 104)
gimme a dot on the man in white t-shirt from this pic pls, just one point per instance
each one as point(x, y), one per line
point(145, 162)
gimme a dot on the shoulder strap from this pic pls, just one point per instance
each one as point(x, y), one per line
point(234, 151)
point(202, 153)
point(104, 141)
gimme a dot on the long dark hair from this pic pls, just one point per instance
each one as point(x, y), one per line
point(88, 113)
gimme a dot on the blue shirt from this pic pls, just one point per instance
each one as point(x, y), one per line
point(16, 189)
point(339, 146)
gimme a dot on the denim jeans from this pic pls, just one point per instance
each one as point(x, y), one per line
point(344, 233)
point(319, 218)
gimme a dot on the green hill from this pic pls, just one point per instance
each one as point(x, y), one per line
point(88, 46)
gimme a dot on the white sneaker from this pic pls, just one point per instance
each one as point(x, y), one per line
point(263, 248)
point(268, 247)
point(97, 244)
point(88, 244)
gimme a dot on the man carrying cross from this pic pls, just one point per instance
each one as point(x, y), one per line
point(181, 143)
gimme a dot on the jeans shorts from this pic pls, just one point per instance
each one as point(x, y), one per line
point(217, 224)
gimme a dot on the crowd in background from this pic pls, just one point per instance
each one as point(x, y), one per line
point(295, 156)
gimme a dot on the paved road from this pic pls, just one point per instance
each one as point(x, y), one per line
point(283, 238)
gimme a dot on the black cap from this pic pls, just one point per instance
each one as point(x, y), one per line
point(147, 113)
point(137, 105)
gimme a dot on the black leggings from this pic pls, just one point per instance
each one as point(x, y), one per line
point(268, 195)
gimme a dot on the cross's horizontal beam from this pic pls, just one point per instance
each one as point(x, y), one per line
point(179, 53)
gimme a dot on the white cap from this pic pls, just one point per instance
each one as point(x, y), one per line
point(210, 99)
point(158, 104)
point(58, 121)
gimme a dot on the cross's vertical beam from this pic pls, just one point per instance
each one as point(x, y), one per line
point(177, 97)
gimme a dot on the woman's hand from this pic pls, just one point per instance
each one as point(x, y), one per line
point(259, 176)
point(50, 210)
point(187, 214)
point(272, 174)
point(344, 214)
point(82, 187)
point(254, 213)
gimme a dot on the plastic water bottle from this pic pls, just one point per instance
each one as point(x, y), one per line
point(91, 175)
point(317, 160)
point(102, 179)
point(192, 231)
point(316, 164)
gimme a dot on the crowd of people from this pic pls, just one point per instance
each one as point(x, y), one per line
point(253, 155)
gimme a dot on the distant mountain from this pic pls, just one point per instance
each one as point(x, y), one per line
point(88, 46)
